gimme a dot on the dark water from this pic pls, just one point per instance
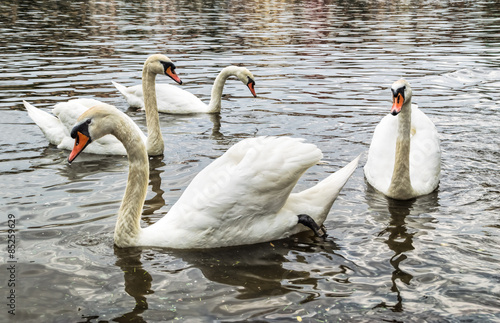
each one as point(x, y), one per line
point(323, 71)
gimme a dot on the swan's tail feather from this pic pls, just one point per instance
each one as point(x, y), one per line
point(133, 97)
point(332, 185)
point(122, 89)
point(318, 200)
point(50, 125)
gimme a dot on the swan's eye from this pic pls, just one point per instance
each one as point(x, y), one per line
point(89, 121)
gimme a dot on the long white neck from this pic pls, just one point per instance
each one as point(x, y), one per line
point(216, 96)
point(128, 226)
point(155, 143)
point(400, 187)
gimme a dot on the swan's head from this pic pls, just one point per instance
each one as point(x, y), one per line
point(93, 124)
point(245, 76)
point(161, 64)
point(401, 93)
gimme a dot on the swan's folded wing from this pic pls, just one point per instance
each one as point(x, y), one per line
point(425, 154)
point(252, 179)
point(381, 155)
point(172, 99)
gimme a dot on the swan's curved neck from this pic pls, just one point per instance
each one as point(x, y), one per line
point(128, 226)
point(155, 143)
point(216, 96)
point(400, 187)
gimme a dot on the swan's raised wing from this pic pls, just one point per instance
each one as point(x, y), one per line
point(252, 180)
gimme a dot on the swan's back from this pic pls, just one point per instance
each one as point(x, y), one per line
point(169, 98)
point(173, 99)
point(243, 189)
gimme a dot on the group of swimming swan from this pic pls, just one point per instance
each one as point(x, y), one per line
point(245, 196)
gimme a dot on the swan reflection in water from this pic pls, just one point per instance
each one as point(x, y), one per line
point(256, 271)
point(401, 232)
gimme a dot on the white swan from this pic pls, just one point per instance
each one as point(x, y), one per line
point(404, 160)
point(172, 99)
point(243, 197)
point(57, 126)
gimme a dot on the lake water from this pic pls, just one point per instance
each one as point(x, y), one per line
point(323, 71)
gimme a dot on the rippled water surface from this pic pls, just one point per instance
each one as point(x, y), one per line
point(323, 71)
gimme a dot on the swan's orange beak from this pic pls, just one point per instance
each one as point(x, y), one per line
point(251, 86)
point(397, 104)
point(171, 72)
point(81, 141)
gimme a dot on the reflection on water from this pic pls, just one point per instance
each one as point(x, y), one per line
point(399, 233)
point(137, 282)
point(323, 71)
point(257, 272)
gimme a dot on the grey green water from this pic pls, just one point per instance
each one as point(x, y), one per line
point(323, 71)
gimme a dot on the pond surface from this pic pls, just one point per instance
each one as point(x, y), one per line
point(323, 71)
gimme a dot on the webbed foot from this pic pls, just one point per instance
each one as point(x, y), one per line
point(309, 222)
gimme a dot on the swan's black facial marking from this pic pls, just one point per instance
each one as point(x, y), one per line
point(398, 98)
point(83, 128)
point(166, 65)
point(251, 86)
point(400, 90)
point(82, 138)
point(169, 70)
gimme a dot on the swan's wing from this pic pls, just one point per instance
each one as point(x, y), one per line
point(425, 153)
point(252, 179)
point(52, 127)
point(381, 155)
point(172, 99)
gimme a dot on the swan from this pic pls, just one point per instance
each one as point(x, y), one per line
point(57, 126)
point(173, 100)
point(243, 197)
point(404, 159)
